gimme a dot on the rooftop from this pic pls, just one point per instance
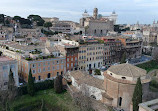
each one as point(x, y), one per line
point(4, 59)
point(83, 77)
point(127, 70)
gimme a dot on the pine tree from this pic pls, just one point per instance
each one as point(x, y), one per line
point(7, 107)
point(137, 95)
point(58, 86)
point(123, 59)
point(30, 85)
point(12, 89)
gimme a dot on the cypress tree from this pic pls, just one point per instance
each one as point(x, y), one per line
point(11, 82)
point(12, 89)
point(137, 95)
point(58, 86)
point(30, 85)
point(123, 59)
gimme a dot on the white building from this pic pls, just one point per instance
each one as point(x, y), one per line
point(87, 84)
point(6, 64)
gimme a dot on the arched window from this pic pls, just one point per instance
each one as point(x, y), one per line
point(95, 31)
point(120, 101)
point(48, 76)
point(101, 32)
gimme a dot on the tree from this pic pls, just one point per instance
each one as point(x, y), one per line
point(30, 85)
point(48, 25)
point(7, 107)
point(137, 95)
point(97, 72)
point(22, 21)
point(36, 18)
point(123, 58)
point(2, 18)
point(58, 86)
point(12, 89)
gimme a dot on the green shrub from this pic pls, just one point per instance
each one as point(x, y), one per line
point(44, 85)
point(97, 72)
point(154, 83)
point(48, 84)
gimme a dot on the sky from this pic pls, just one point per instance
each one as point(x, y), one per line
point(129, 11)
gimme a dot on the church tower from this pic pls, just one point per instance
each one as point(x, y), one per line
point(95, 13)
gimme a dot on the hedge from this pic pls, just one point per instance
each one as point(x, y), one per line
point(38, 86)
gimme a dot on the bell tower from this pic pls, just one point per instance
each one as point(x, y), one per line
point(95, 13)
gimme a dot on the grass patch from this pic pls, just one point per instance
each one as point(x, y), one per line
point(53, 101)
point(149, 66)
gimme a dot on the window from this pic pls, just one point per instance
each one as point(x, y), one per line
point(44, 69)
point(57, 73)
point(12, 66)
point(33, 65)
point(61, 66)
point(5, 74)
point(5, 67)
point(53, 68)
point(123, 77)
point(75, 58)
point(39, 78)
point(95, 31)
point(61, 72)
point(67, 59)
point(39, 70)
point(44, 63)
point(48, 68)
point(33, 71)
point(48, 76)
point(39, 64)
point(58, 67)
point(120, 101)
point(57, 62)
point(67, 65)
point(71, 64)
point(71, 59)
point(5, 83)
